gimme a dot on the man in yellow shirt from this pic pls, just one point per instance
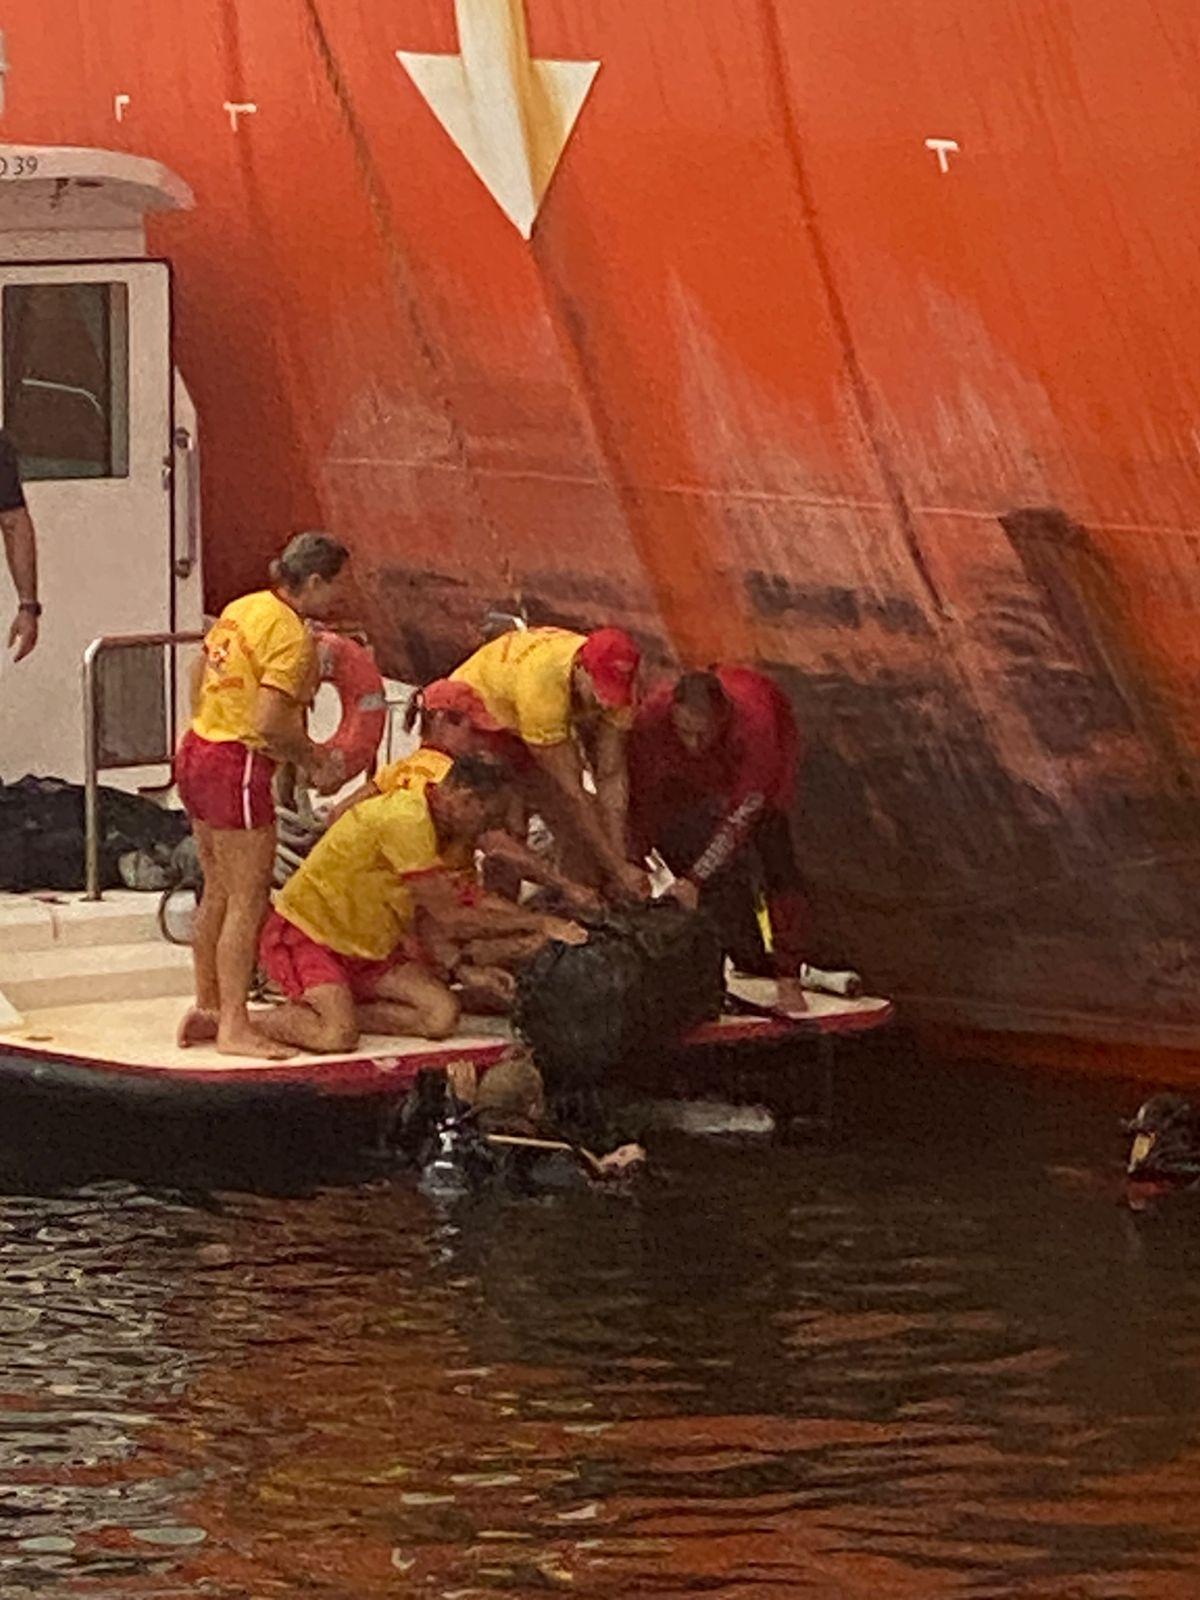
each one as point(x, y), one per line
point(549, 691)
point(339, 942)
point(249, 692)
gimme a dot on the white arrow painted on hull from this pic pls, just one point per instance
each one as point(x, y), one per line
point(509, 115)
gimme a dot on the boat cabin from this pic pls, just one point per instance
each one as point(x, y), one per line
point(106, 434)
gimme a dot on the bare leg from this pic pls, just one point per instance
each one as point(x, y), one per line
point(486, 991)
point(199, 1022)
point(244, 862)
point(323, 1021)
point(410, 1001)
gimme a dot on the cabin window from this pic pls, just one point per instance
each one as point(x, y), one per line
point(66, 378)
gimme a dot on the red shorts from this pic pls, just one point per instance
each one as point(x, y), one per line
point(297, 963)
point(227, 785)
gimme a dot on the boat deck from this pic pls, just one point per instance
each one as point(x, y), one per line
point(135, 1038)
point(91, 994)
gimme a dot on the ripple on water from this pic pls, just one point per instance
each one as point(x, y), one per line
point(834, 1371)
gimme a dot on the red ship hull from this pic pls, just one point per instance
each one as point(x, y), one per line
point(768, 383)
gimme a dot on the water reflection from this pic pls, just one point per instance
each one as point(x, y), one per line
point(932, 1358)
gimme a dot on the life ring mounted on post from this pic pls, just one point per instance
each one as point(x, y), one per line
point(350, 668)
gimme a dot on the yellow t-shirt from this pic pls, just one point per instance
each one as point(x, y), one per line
point(350, 894)
point(415, 772)
point(524, 678)
point(257, 640)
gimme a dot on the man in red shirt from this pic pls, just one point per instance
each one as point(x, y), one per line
point(712, 778)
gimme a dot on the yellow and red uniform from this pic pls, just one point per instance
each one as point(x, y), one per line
point(414, 773)
point(345, 914)
point(223, 774)
point(524, 680)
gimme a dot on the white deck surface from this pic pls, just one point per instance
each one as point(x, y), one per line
point(142, 1033)
point(763, 992)
point(97, 983)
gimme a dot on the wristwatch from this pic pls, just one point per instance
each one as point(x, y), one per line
point(33, 607)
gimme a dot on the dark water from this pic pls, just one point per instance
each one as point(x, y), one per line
point(933, 1356)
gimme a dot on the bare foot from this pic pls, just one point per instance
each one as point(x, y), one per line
point(247, 1041)
point(196, 1026)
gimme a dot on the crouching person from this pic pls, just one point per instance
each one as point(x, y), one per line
point(338, 941)
point(465, 1133)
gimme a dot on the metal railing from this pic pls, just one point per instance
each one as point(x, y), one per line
point(92, 764)
point(91, 736)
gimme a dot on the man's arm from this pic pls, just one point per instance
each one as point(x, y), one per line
point(437, 894)
point(561, 763)
point(20, 547)
point(612, 782)
point(749, 799)
point(280, 722)
point(524, 863)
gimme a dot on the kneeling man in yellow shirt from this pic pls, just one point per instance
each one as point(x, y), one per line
point(340, 941)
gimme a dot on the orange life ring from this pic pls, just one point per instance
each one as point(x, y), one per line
point(350, 668)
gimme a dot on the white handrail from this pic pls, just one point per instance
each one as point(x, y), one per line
point(91, 739)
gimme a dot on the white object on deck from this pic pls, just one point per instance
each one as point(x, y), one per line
point(765, 992)
point(846, 983)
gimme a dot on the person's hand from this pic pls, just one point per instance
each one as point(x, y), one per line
point(327, 771)
point(618, 1161)
point(583, 902)
point(790, 995)
point(631, 881)
point(23, 634)
point(564, 931)
point(685, 893)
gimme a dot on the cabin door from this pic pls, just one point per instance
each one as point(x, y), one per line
point(86, 394)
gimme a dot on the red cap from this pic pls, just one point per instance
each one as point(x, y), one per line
point(449, 694)
point(611, 659)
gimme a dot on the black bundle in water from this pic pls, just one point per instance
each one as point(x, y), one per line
point(644, 979)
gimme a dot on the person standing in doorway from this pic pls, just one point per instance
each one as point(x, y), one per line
point(250, 691)
point(20, 549)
